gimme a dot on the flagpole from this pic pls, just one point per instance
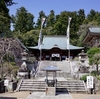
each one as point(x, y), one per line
point(69, 54)
point(40, 38)
point(40, 46)
point(69, 43)
point(68, 38)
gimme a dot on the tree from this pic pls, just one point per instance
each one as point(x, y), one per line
point(81, 33)
point(23, 20)
point(4, 18)
point(74, 28)
point(81, 16)
point(60, 25)
point(30, 38)
point(10, 52)
point(94, 57)
point(51, 19)
point(93, 16)
point(96, 60)
point(9, 2)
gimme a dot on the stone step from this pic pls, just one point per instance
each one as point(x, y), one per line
point(31, 89)
point(70, 85)
point(40, 87)
point(33, 84)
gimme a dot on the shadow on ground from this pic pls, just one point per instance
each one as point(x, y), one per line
point(8, 98)
point(61, 91)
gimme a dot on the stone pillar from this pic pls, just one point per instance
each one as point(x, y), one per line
point(50, 91)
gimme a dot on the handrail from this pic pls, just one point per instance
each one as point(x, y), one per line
point(19, 85)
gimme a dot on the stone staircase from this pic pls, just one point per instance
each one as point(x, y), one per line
point(62, 65)
point(31, 85)
point(72, 85)
point(40, 85)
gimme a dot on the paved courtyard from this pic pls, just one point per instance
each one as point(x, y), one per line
point(41, 95)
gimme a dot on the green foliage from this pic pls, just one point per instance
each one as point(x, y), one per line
point(55, 25)
point(91, 15)
point(38, 23)
point(9, 57)
point(9, 2)
point(61, 24)
point(84, 77)
point(30, 38)
point(4, 18)
point(23, 20)
point(13, 63)
point(51, 18)
point(91, 53)
point(94, 57)
point(81, 16)
point(31, 60)
point(10, 68)
point(94, 73)
point(98, 77)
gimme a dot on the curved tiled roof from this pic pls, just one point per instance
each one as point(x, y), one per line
point(60, 42)
point(94, 30)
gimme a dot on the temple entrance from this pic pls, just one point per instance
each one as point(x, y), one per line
point(47, 57)
point(55, 57)
point(63, 57)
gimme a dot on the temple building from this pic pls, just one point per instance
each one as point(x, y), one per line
point(55, 48)
point(92, 37)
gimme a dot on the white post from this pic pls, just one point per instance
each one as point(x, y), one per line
point(68, 37)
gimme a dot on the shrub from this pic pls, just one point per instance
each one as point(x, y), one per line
point(94, 73)
point(98, 77)
point(84, 77)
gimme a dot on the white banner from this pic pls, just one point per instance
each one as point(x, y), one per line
point(89, 81)
point(68, 32)
point(6, 82)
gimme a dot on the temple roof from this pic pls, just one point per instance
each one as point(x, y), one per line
point(60, 42)
point(94, 30)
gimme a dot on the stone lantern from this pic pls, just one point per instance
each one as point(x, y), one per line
point(82, 58)
point(24, 55)
point(23, 71)
point(51, 80)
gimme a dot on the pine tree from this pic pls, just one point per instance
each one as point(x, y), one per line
point(4, 18)
point(23, 21)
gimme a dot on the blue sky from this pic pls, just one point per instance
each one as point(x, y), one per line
point(35, 6)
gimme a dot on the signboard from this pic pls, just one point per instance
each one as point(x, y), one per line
point(6, 82)
point(89, 81)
